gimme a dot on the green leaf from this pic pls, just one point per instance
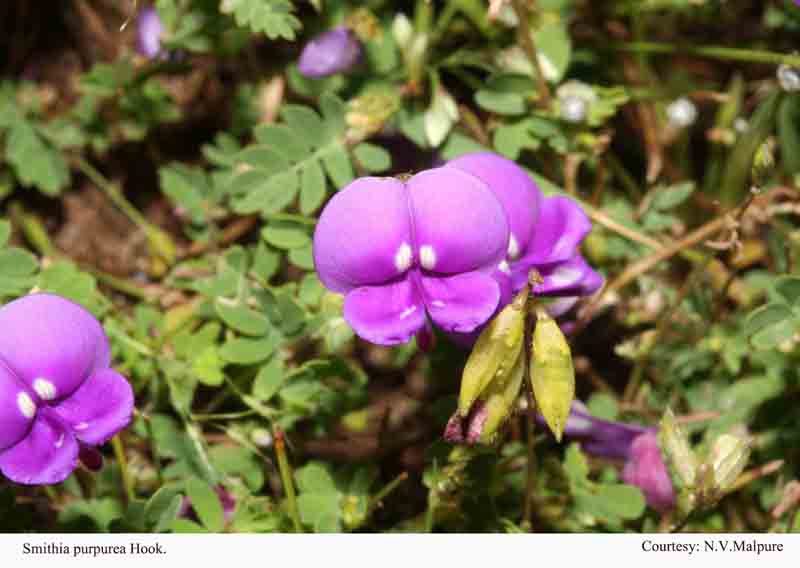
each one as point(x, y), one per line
point(789, 288)
point(206, 504)
point(373, 158)
point(302, 257)
point(670, 197)
point(788, 122)
point(101, 511)
point(321, 511)
point(272, 17)
point(240, 317)
point(338, 167)
point(615, 501)
point(773, 335)
point(510, 104)
point(266, 262)
point(246, 351)
point(269, 379)
point(163, 507)
point(604, 406)
point(186, 188)
point(5, 232)
point(315, 477)
point(207, 367)
point(264, 193)
point(185, 526)
point(312, 187)
point(766, 316)
point(286, 235)
point(35, 162)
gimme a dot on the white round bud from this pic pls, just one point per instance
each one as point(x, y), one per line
point(789, 78)
point(681, 113)
point(573, 109)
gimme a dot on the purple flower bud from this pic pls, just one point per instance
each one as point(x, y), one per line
point(402, 251)
point(57, 392)
point(329, 53)
point(646, 470)
point(149, 30)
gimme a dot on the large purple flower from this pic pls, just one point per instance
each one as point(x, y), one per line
point(400, 250)
point(57, 392)
point(636, 445)
point(545, 231)
point(329, 53)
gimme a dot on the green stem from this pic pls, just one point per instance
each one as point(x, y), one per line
point(525, 38)
point(712, 52)
point(113, 192)
point(33, 229)
point(387, 490)
point(286, 479)
point(127, 480)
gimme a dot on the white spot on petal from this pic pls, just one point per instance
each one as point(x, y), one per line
point(504, 267)
point(408, 311)
point(402, 258)
point(45, 389)
point(26, 405)
point(427, 257)
point(60, 441)
point(437, 304)
point(513, 247)
point(565, 277)
point(81, 426)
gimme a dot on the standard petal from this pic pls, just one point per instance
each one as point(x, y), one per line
point(517, 192)
point(47, 455)
point(17, 409)
point(460, 303)
point(562, 225)
point(571, 278)
point(645, 469)
point(101, 407)
point(386, 315)
point(459, 225)
point(52, 344)
point(363, 237)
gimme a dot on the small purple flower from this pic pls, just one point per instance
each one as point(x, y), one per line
point(646, 470)
point(149, 30)
point(329, 53)
point(58, 396)
point(544, 231)
point(636, 445)
point(401, 250)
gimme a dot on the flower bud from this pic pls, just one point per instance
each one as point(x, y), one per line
point(552, 374)
point(496, 351)
point(329, 53)
point(573, 109)
point(681, 113)
point(675, 443)
point(402, 31)
point(728, 458)
point(788, 78)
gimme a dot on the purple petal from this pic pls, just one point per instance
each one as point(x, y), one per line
point(363, 236)
point(460, 303)
point(101, 407)
point(47, 455)
point(329, 53)
point(646, 470)
point(561, 227)
point(517, 192)
point(54, 346)
point(572, 278)
point(459, 224)
point(386, 315)
point(17, 409)
point(149, 30)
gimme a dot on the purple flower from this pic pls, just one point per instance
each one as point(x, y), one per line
point(149, 30)
point(636, 445)
point(399, 250)
point(329, 53)
point(646, 470)
point(544, 231)
point(58, 396)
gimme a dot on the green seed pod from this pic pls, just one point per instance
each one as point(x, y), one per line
point(499, 398)
point(728, 458)
point(496, 351)
point(675, 443)
point(552, 374)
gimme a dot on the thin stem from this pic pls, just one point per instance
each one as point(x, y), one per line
point(530, 477)
point(113, 193)
point(529, 45)
point(286, 479)
point(712, 52)
point(386, 491)
point(122, 460)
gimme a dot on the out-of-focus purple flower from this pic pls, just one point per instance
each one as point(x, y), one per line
point(149, 30)
point(227, 501)
point(646, 470)
point(329, 53)
point(57, 392)
point(404, 250)
point(636, 445)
